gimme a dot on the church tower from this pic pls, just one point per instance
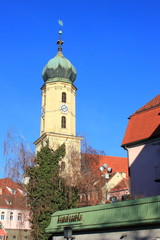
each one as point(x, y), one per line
point(58, 113)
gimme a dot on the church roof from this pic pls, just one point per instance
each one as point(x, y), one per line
point(144, 124)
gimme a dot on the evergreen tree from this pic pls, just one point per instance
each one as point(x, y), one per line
point(47, 191)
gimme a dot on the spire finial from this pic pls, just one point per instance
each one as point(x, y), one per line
point(60, 42)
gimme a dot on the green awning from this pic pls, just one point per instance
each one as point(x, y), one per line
point(120, 214)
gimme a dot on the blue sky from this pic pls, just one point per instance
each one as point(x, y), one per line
point(115, 47)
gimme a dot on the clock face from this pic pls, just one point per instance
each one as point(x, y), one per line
point(64, 108)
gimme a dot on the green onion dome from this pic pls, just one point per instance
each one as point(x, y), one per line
point(59, 68)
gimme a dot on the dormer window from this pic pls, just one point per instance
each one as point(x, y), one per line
point(11, 190)
point(22, 192)
point(64, 97)
point(8, 202)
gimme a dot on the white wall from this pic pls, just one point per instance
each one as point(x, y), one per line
point(144, 161)
point(15, 223)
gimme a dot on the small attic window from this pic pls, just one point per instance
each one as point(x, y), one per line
point(8, 202)
point(13, 191)
point(22, 192)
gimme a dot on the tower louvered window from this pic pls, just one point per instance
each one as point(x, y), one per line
point(63, 122)
point(64, 97)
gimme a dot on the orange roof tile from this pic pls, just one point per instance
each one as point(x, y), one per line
point(13, 202)
point(11, 184)
point(2, 232)
point(144, 124)
point(122, 185)
point(118, 164)
point(153, 103)
point(9, 199)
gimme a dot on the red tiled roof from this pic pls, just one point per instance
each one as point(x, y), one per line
point(2, 232)
point(122, 185)
point(118, 164)
point(144, 123)
point(11, 184)
point(11, 200)
point(153, 103)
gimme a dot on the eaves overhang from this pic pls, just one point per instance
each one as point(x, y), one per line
point(141, 142)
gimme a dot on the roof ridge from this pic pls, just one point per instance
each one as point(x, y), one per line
point(102, 155)
point(145, 110)
point(155, 102)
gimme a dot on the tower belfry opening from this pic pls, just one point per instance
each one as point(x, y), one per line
point(58, 110)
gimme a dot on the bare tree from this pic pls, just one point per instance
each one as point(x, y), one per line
point(90, 181)
point(18, 155)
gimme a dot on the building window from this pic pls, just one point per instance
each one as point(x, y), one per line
point(63, 122)
point(19, 217)
point(64, 97)
point(113, 199)
point(2, 215)
point(11, 216)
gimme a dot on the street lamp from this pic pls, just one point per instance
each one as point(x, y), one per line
point(106, 170)
point(68, 233)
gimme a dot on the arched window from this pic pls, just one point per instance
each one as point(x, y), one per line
point(64, 97)
point(11, 216)
point(63, 122)
point(19, 218)
point(2, 215)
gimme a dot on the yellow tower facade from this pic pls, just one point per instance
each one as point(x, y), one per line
point(58, 111)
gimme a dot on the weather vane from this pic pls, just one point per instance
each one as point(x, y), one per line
point(60, 42)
